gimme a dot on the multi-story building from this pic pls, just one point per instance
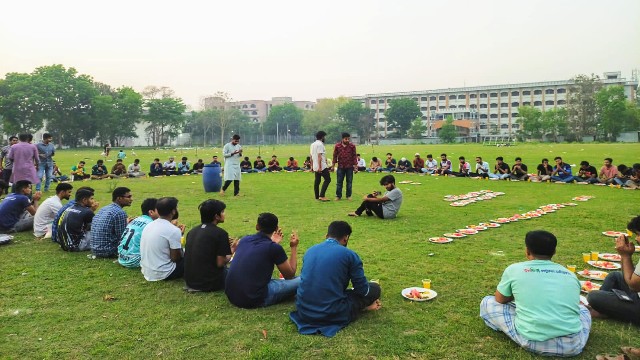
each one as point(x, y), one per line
point(257, 110)
point(485, 110)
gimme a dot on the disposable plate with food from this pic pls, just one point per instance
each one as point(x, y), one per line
point(593, 274)
point(612, 233)
point(454, 235)
point(610, 257)
point(588, 286)
point(418, 294)
point(467, 231)
point(490, 225)
point(607, 265)
point(440, 240)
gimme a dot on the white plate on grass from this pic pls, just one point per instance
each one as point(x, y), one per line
point(612, 233)
point(606, 265)
point(430, 294)
point(440, 240)
point(610, 257)
point(588, 286)
point(593, 274)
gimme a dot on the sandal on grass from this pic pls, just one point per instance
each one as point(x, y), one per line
point(612, 357)
point(631, 352)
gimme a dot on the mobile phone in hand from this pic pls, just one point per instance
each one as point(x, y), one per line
point(622, 295)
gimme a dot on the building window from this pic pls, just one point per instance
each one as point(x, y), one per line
point(537, 103)
point(504, 105)
point(461, 97)
point(549, 102)
point(254, 113)
point(561, 91)
point(473, 106)
point(253, 106)
point(442, 97)
point(244, 106)
point(494, 116)
point(424, 108)
point(432, 98)
point(424, 98)
point(562, 102)
point(483, 116)
point(549, 92)
point(483, 96)
point(515, 93)
point(483, 106)
point(441, 107)
point(504, 115)
point(537, 92)
point(374, 101)
point(493, 94)
point(432, 108)
point(483, 126)
point(515, 126)
point(526, 93)
point(380, 101)
point(452, 106)
point(424, 117)
point(494, 105)
point(504, 93)
point(526, 103)
point(504, 126)
point(515, 104)
point(515, 115)
point(473, 96)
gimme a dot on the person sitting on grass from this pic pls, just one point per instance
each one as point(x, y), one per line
point(118, 169)
point(99, 171)
point(634, 177)
point(156, 168)
point(129, 247)
point(134, 170)
point(109, 223)
point(604, 302)
point(418, 163)
point(404, 166)
point(78, 172)
point(385, 207)
point(430, 166)
point(184, 166)
point(519, 171)
point(170, 167)
point(274, 164)
point(306, 166)
point(73, 228)
point(292, 165)
point(445, 165)
point(362, 165)
point(207, 250)
point(245, 166)
point(587, 173)
point(47, 211)
point(608, 172)
point(161, 255)
point(501, 170)
point(537, 302)
point(562, 171)
point(215, 161)
point(324, 303)
point(544, 171)
point(198, 167)
point(374, 165)
point(482, 168)
point(18, 208)
point(249, 283)
point(389, 164)
point(259, 165)
point(464, 168)
point(54, 223)
point(57, 175)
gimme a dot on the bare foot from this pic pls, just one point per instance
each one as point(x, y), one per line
point(323, 199)
point(352, 214)
point(221, 192)
point(375, 306)
point(337, 199)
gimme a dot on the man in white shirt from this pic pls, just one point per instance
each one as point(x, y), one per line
point(430, 166)
point(482, 168)
point(47, 211)
point(319, 166)
point(160, 247)
point(170, 167)
point(464, 168)
point(134, 169)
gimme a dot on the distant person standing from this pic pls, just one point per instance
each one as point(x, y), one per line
point(319, 166)
point(107, 149)
point(232, 152)
point(24, 156)
point(6, 165)
point(344, 153)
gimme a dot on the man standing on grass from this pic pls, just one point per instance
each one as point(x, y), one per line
point(249, 283)
point(46, 151)
point(319, 166)
point(17, 209)
point(324, 304)
point(232, 152)
point(6, 165)
point(48, 210)
point(160, 246)
point(385, 207)
point(537, 303)
point(344, 154)
point(25, 159)
point(109, 223)
point(129, 247)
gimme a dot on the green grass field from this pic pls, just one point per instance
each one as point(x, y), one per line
point(51, 302)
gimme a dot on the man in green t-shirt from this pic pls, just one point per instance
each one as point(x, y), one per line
point(537, 302)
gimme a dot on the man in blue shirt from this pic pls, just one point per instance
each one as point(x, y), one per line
point(562, 171)
point(17, 210)
point(109, 224)
point(129, 248)
point(46, 151)
point(249, 283)
point(537, 301)
point(324, 303)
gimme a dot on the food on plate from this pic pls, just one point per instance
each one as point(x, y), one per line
point(477, 227)
point(490, 225)
point(593, 274)
point(440, 240)
point(418, 294)
point(604, 264)
point(588, 286)
point(612, 233)
point(610, 257)
point(467, 231)
point(454, 235)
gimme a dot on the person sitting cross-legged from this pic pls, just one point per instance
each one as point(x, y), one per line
point(274, 164)
point(134, 170)
point(385, 207)
point(245, 166)
point(109, 223)
point(170, 167)
point(292, 165)
point(537, 303)
point(73, 230)
point(184, 166)
point(501, 170)
point(374, 165)
point(249, 283)
point(119, 170)
point(78, 172)
point(129, 247)
point(56, 219)
point(47, 211)
point(464, 168)
point(17, 209)
point(198, 167)
point(324, 304)
point(404, 165)
point(155, 169)
point(207, 250)
point(562, 171)
point(519, 171)
point(259, 165)
point(604, 302)
point(587, 173)
point(99, 171)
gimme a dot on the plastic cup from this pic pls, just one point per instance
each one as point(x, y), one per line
point(426, 283)
point(377, 281)
point(183, 241)
point(594, 255)
point(629, 233)
point(571, 268)
point(586, 257)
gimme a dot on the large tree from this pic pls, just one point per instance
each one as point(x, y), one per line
point(282, 118)
point(448, 132)
point(116, 113)
point(357, 118)
point(554, 123)
point(612, 105)
point(324, 114)
point(21, 104)
point(165, 118)
point(582, 108)
point(401, 113)
point(416, 129)
point(530, 121)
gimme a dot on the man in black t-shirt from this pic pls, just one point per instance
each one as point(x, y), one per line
point(587, 173)
point(501, 170)
point(207, 250)
point(259, 165)
point(544, 171)
point(74, 226)
point(245, 166)
point(519, 170)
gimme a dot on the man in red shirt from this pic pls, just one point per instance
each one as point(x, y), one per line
point(344, 154)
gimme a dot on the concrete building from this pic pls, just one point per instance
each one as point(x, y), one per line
point(490, 109)
point(257, 110)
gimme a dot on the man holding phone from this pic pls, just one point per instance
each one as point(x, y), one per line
point(618, 297)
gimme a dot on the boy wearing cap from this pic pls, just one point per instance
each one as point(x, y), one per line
point(418, 163)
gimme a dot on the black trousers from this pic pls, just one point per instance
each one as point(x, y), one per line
point(316, 184)
point(606, 302)
point(371, 208)
point(6, 175)
point(236, 186)
point(359, 303)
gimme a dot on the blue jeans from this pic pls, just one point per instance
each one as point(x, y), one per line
point(45, 168)
point(280, 290)
point(498, 176)
point(566, 180)
point(341, 174)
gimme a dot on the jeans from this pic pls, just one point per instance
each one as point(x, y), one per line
point(342, 173)
point(606, 302)
point(370, 208)
point(280, 290)
point(6, 175)
point(316, 184)
point(45, 168)
point(499, 176)
point(568, 179)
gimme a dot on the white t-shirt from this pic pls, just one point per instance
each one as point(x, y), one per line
point(317, 148)
point(482, 168)
point(45, 214)
point(362, 163)
point(158, 238)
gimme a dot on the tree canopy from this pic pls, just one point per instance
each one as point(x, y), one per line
point(401, 113)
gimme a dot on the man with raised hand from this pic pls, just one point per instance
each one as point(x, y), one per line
point(18, 208)
point(537, 303)
point(324, 304)
point(319, 166)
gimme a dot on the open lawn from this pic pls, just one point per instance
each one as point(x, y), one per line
point(52, 302)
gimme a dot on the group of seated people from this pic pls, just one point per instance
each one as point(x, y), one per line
point(273, 165)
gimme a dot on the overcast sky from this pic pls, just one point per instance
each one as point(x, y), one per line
point(309, 50)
